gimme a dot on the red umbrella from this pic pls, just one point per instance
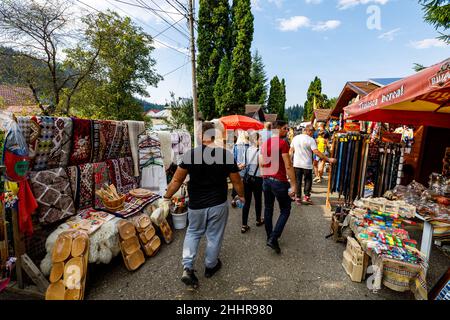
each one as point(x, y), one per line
point(241, 122)
point(420, 99)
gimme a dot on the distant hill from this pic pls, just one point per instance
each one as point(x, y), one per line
point(150, 106)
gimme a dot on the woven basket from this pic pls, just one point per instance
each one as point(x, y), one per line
point(114, 205)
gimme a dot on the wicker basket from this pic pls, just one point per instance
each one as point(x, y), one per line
point(114, 205)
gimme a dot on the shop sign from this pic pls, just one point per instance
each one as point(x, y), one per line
point(442, 76)
point(391, 137)
point(352, 127)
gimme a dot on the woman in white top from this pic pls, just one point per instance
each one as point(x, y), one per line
point(252, 184)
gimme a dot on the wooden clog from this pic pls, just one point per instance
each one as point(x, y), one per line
point(57, 272)
point(55, 291)
point(79, 245)
point(143, 222)
point(147, 235)
point(130, 245)
point(126, 229)
point(73, 294)
point(135, 260)
point(62, 248)
point(166, 231)
point(152, 247)
point(74, 273)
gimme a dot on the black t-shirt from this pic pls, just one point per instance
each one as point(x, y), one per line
point(208, 169)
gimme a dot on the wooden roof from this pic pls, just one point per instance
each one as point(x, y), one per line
point(16, 96)
point(271, 117)
point(352, 90)
point(321, 115)
point(252, 108)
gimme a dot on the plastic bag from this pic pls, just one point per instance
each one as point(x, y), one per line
point(15, 155)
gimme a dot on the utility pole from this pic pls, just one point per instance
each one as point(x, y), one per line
point(197, 131)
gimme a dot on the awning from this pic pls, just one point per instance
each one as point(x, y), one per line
point(241, 122)
point(420, 99)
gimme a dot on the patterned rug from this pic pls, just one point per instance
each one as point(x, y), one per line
point(62, 133)
point(101, 176)
point(81, 142)
point(133, 206)
point(52, 190)
point(86, 185)
point(73, 172)
point(121, 174)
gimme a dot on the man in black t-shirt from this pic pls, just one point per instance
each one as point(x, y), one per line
point(208, 167)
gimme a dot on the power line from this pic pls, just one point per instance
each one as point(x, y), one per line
point(160, 42)
point(160, 16)
point(176, 69)
point(170, 3)
point(141, 6)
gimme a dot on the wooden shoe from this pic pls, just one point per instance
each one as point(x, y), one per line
point(62, 248)
point(135, 260)
point(126, 229)
point(130, 245)
point(74, 273)
point(142, 223)
point(152, 247)
point(73, 294)
point(57, 272)
point(55, 291)
point(147, 235)
point(166, 231)
point(79, 245)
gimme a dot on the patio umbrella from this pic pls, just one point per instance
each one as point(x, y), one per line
point(420, 99)
point(241, 122)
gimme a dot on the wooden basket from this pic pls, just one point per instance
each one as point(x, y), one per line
point(114, 205)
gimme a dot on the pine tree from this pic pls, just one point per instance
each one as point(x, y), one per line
point(437, 13)
point(213, 44)
point(221, 93)
point(282, 103)
point(314, 98)
point(258, 81)
point(241, 62)
point(275, 96)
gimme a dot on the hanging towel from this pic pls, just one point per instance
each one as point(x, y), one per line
point(27, 206)
point(135, 128)
point(154, 178)
point(166, 148)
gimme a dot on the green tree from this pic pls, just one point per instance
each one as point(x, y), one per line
point(437, 13)
point(282, 103)
point(294, 113)
point(122, 70)
point(418, 67)
point(258, 82)
point(241, 62)
point(221, 92)
point(329, 103)
point(213, 44)
point(182, 114)
point(275, 96)
point(315, 98)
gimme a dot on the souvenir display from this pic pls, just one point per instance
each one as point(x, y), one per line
point(132, 254)
point(69, 266)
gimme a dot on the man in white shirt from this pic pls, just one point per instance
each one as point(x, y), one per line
point(303, 147)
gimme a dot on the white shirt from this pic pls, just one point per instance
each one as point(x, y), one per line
point(303, 155)
point(252, 162)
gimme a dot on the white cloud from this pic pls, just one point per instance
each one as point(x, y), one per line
point(428, 43)
point(390, 35)
point(313, 1)
point(294, 23)
point(345, 4)
point(298, 22)
point(256, 4)
point(278, 3)
point(327, 25)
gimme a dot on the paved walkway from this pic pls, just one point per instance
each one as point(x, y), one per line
point(309, 266)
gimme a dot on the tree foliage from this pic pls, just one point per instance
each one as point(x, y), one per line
point(315, 98)
point(276, 96)
point(258, 82)
point(241, 61)
point(214, 43)
point(294, 113)
point(221, 93)
point(182, 114)
point(437, 13)
point(122, 70)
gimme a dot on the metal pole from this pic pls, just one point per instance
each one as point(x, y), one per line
point(194, 76)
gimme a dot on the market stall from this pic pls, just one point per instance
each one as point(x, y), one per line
point(86, 177)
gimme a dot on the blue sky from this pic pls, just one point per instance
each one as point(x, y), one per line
point(301, 39)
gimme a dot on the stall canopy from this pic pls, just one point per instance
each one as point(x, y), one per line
point(241, 122)
point(420, 99)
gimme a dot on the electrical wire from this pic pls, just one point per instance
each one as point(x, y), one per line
point(156, 40)
point(186, 63)
point(145, 7)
